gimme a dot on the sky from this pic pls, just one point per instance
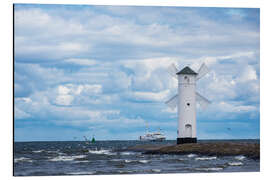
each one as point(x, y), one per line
point(82, 70)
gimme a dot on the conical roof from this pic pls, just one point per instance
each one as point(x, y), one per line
point(187, 70)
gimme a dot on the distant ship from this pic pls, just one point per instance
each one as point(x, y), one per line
point(154, 136)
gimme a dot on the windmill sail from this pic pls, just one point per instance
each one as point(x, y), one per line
point(172, 103)
point(202, 71)
point(173, 70)
point(202, 101)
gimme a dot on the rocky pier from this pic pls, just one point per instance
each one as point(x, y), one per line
point(251, 150)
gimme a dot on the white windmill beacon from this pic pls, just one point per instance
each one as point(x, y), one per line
point(186, 100)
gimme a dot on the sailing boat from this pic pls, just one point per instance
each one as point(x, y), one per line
point(86, 140)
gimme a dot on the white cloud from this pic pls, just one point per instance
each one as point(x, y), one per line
point(68, 47)
point(149, 96)
point(233, 108)
point(89, 89)
point(218, 87)
point(247, 74)
point(26, 18)
point(23, 99)
point(84, 62)
point(151, 74)
point(67, 93)
point(117, 80)
point(64, 100)
point(63, 90)
point(36, 25)
point(169, 110)
point(19, 114)
point(79, 34)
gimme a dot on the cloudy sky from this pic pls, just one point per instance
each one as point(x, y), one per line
point(102, 70)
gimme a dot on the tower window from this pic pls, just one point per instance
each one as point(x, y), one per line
point(188, 104)
point(186, 78)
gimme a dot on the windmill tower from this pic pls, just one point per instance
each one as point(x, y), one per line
point(186, 100)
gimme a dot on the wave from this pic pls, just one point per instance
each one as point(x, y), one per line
point(235, 163)
point(143, 161)
point(57, 151)
point(156, 170)
point(22, 159)
point(191, 155)
point(128, 153)
point(128, 161)
point(81, 173)
point(116, 160)
point(209, 169)
point(240, 158)
point(102, 151)
point(173, 160)
point(181, 159)
point(82, 161)
point(67, 158)
point(38, 151)
point(205, 158)
point(125, 172)
point(140, 161)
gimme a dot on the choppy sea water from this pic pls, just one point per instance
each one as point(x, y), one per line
point(110, 157)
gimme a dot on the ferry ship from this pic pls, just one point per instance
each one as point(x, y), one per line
point(154, 136)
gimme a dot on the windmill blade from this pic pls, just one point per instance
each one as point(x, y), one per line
point(173, 70)
point(202, 71)
point(172, 103)
point(202, 101)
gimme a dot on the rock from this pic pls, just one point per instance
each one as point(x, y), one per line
point(251, 150)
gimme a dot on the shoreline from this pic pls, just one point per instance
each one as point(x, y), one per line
point(102, 140)
point(251, 150)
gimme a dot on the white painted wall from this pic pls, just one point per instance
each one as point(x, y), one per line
point(186, 113)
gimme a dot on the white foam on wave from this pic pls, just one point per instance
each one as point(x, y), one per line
point(66, 158)
point(22, 159)
point(84, 161)
point(143, 161)
point(156, 170)
point(122, 172)
point(38, 151)
point(210, 169)
point(240, 158)
point(205, 158)
point(101, 151)
point(57, 151)
point(127, 153)
point(235, 163)
point(181, 159)
point(128, 161)
point(191, 155)
point(81, 173)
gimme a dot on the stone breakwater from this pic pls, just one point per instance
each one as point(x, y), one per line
point(251, 150)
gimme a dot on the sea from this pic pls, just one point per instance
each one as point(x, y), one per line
point(113, 157)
